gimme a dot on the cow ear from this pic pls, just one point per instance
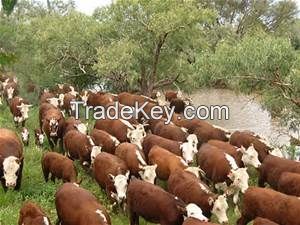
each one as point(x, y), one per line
point(111, 177)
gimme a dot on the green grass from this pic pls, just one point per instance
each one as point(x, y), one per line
point(35, 189)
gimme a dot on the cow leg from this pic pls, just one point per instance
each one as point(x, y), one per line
point(261, 181)
point(19, 179)
point(52, 178)
point(3, 185)
point(46, 173)
point(134, 218)
point(61, 145)
point(51, 143)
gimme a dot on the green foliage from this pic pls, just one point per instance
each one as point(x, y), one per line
point(8, 6)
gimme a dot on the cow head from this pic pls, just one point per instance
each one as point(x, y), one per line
point(10, 92)
point(61, 98)
point(96, 150)
point(54, 101)
point(220, 207)
point(11, 166)
point(24, 109)
point(82, 128)
point(195, 211)
point(148, 173)
point(120, 182)
point(189, 148)
point(53, 127)
point(39, 136)
point(250, 156)
point(240, 179)
point(136, 136)
point(25, 135)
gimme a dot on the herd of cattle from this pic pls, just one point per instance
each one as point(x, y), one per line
point(204, 165)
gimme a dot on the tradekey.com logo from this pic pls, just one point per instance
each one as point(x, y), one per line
point(118, 111)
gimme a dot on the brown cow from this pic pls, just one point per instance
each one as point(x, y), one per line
point(45, 96)
point(39, 137)
point(99, 99)
point(167, 162)
point(266, 203)
point(67, 106)
point(186, 149)
point(123, 130)
point(170, 95)
point(11, 159)
point(51, 123)
point(135, 161)
point(178, 104)
point(246, 139)
point(156, 205)
point(78, 146)
point(75, 205)
point(32, 214)
point(105, 140)
point(221, 167)
point(59, 167)
point(128, 99)
point(72, 124)
point(112, 174)
point(272, 168)
point(170, 131)
point(19, 109)
point(190, 189)
point(263, 221)
point(289, 183)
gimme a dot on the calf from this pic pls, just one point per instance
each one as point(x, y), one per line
point(187, 149)
point(19, 109)
point(289, 183)
point(221, 167)
point(190, 189)
point(11, 159)
point(75, 205)
point(105, 140)
point(79, 146)
point(167, 162)
point(52, 123)
point(32, 214)
point(156, 205)
point(67, 106)
point(170, 131)
point(263, 221)
point(269, 204)
point(112, 174)
point(246, 139)
point(39, 137)
point(135, 161)
point(25, 136)
point(272, 168)
point(123, 130)
point(59, 167)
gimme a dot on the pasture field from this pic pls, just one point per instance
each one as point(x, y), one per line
point(34, 187)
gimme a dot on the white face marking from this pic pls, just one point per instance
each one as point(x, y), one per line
point(84, 98)
point(24, 109)
point(250, 157)
point(46, 221)
point(96, 150)
point(120, 183)
point(240, 179)
point(10, 92)
point(82, 128)
point(231, 161)
point(41, 138)
point(61, 98)
point(220, 208)
point(25, 135)
point(10, 167)
point(148, 173)
point(188, 151)
point(140, 158)
point(53, 122)
point(136, 136)
point(60, 86)
point(115, 140)
point(194, 211)
point(101, 214)
point(277, 152)
point(54, 101)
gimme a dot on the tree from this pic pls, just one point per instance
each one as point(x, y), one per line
point(149, 44)
point(8, 6)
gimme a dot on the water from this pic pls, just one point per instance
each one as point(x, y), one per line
point(246, 113)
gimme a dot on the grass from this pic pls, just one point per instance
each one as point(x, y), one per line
point(35, 189)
